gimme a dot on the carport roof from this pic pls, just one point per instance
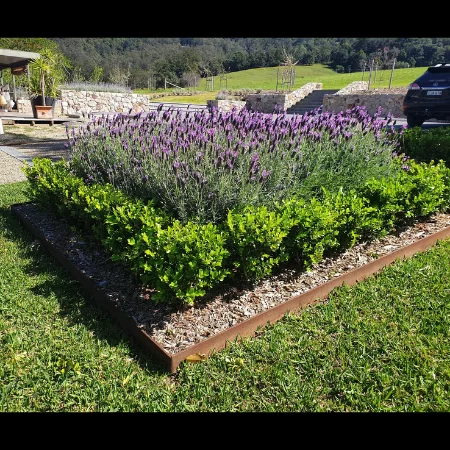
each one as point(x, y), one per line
point(15, 58)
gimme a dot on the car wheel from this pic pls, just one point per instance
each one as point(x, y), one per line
point(414, 121)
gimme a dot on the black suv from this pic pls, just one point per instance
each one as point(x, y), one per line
point(428, 97)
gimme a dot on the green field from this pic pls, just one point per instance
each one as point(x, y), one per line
point(266, 79)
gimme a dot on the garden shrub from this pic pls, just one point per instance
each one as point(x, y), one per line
point(129, 224)
point(256, 238)
point(184, 261)
point(354, 218)
point(418, 190)
point(314, 230)
point(427, 145)
point(200, 166)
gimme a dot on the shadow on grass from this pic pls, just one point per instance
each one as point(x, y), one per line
point(54, 149)
point(22, 138)
point(77, 306)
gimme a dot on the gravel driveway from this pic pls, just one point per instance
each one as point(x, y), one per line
point(21, 143)
point(10, 169)
point(12, 158)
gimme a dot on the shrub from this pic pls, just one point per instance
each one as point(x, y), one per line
point(199, 166)
point(188, 202)
point(256, 240)
point(418, 190)
point(183, 261)
point(427, 145)
point(96, 87)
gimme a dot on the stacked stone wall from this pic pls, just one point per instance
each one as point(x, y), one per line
point(355, 86)
point(226, 105)
point(357, 94)
point(85, 102)
point(268, 102)
point(82, 103)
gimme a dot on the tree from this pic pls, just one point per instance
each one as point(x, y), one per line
point(309, 59)
point(76, 75)
point(339, 57)
point(190, 79)
point(238, 61)
point(45, 47)
point(46, 74)
point(28, 44)
point(96, 75)
point(119, 75)
point(357, 61)
point(213, 54)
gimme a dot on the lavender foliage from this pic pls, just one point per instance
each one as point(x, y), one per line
point(200, 164)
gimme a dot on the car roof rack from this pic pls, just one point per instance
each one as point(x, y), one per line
point(442, 65)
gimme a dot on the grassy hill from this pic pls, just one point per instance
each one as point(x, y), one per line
point(265, 78)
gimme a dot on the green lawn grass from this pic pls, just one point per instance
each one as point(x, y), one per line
point(382, 345)
point(266, 79)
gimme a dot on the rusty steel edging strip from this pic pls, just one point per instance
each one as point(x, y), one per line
point(245, 328)
point(249, 326)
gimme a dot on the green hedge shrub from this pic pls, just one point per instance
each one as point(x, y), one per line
point(181, 262)
point(428, 145)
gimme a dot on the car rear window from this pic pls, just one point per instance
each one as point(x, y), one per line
point(442, 69)
point(437, 74)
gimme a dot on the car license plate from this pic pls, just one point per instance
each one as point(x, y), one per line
point(434, 92)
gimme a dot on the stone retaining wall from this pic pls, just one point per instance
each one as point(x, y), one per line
point(267, 102)
point(84, 102)
point(356, 94)
point(226, 105)
point(355, 86)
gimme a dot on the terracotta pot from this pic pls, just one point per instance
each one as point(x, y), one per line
point(37, 101)
point(44, 112)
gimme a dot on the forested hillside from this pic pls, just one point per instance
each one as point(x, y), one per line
point(139, 62)
point(175, 59)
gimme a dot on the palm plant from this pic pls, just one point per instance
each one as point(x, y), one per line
point(47, 72)
point(43, 67)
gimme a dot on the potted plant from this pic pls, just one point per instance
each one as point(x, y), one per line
point(45, 76)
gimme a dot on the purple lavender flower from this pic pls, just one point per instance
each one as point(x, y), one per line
point(264, 175)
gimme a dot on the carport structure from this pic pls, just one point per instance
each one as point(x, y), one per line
point(16, 61)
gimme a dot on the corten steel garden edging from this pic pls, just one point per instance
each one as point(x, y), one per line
point(246, 328)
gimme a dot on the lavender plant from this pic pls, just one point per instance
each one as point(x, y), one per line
point(96, 87)
point(200, 164)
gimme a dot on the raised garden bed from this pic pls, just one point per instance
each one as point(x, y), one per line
point(173, 336)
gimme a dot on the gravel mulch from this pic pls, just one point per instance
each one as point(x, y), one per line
point(21, 143)
point(12, 158)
